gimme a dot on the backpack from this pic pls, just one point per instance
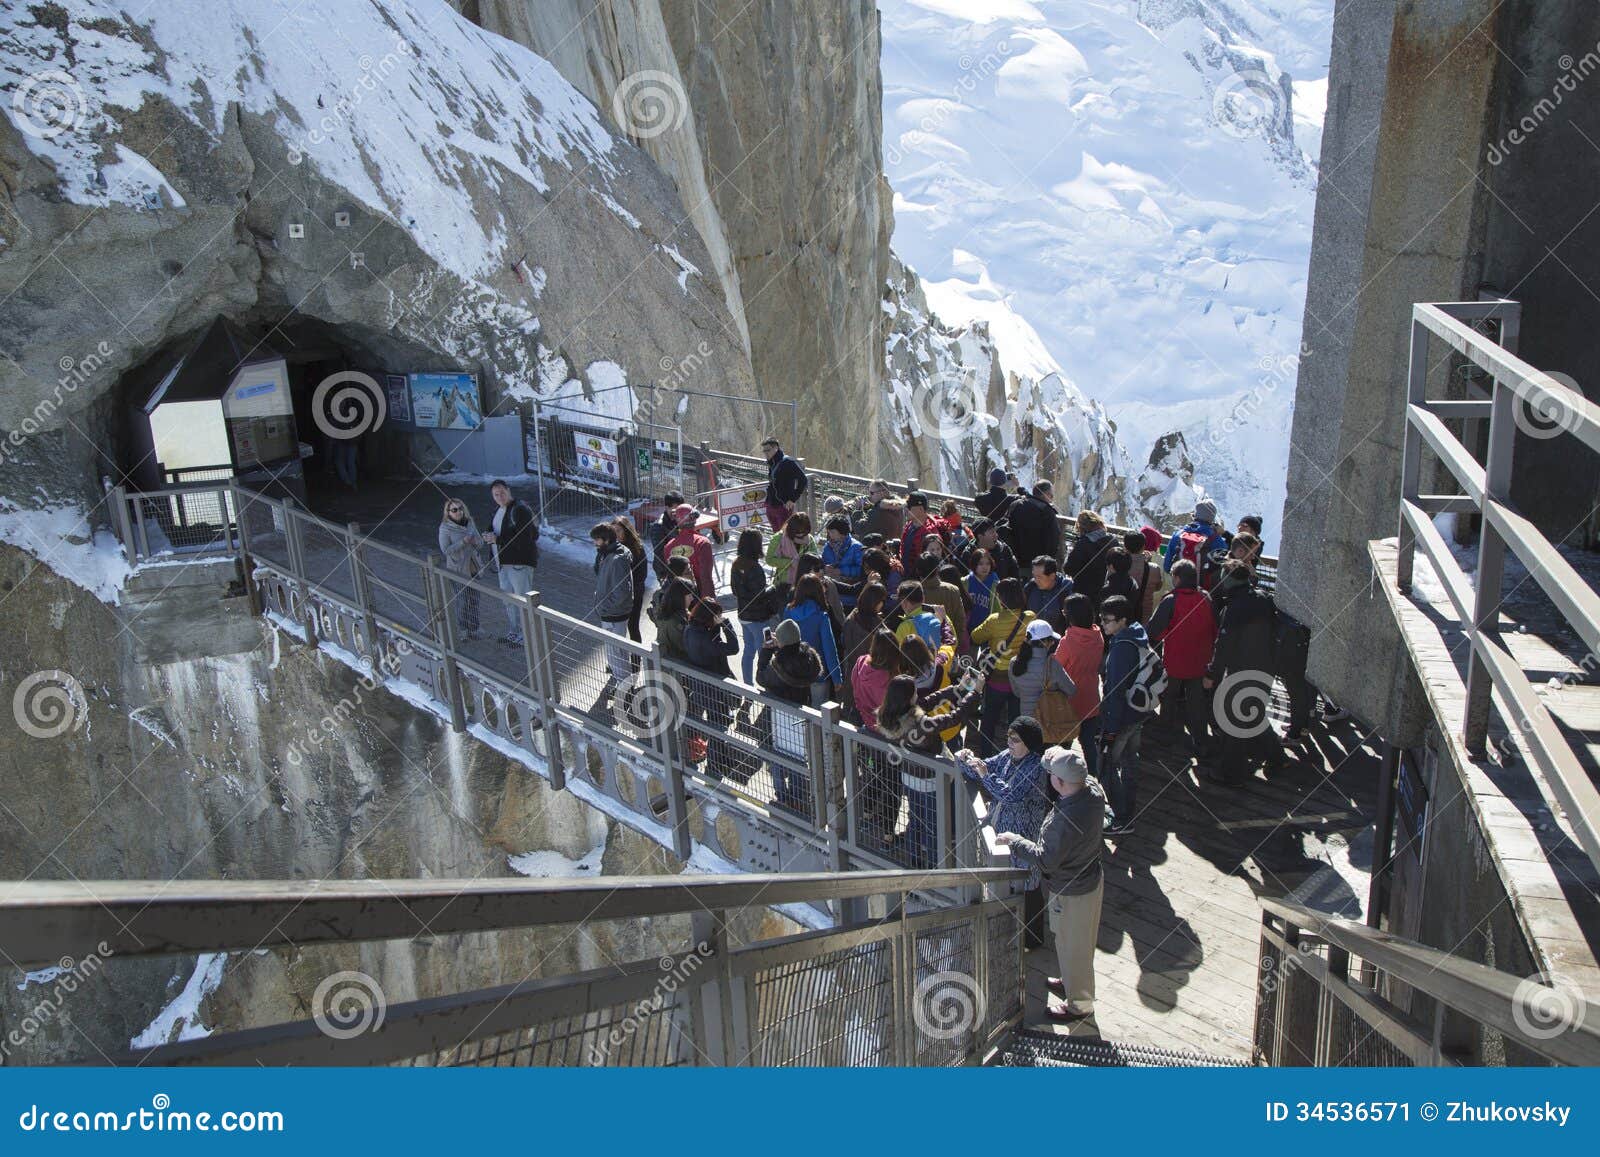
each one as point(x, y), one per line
point(1056, 717)
point(1192, 546)
point(1149, 683)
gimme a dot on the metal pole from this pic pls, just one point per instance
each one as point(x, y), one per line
point(538, 460)
point(1411, 460)
point(1491, 568)
point(444, 630)
point(358, 580)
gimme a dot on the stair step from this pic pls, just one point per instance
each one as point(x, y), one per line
point(1036, 1049)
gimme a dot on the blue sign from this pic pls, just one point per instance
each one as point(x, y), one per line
point(255, 390)
point(446, 401)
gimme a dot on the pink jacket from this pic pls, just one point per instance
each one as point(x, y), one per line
point(698, 549)
point(869, 685)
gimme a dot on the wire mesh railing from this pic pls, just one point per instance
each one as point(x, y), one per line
point(937, 987)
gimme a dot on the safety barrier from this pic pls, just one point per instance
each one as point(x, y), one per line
point(1487, 492)
point(685, 757)
point(941, 987)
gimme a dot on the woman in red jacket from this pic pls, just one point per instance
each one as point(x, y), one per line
point(1080, 652)
point(1185, 625)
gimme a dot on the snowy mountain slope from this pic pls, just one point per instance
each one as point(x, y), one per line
point(1135, 179)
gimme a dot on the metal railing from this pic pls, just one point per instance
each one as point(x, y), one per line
point(1486, 490)
point(942, 987)
point(1312, 1008)
point(746, 469)
point(686, 758)
point(179, 520)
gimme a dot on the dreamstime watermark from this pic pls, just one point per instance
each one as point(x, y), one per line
point(373, 74)
point(160, 1117)
point(336, 722)
point(653, 702)
point(1276, 970)
point(675, 973)
point(1545, 1006)
point(679, 371)
point(1239, 704)
point(74, 373)
point(347, 1004)
point(1545, 413)
point(348, 404)
point(1275, 373)
point(930, 123)
point(48, 704)
point(1573, 73)
point(947, 1004)
point(648, 103)
point(49, 103)
point(64, 978)
point(1249, 104)
point(950, 404)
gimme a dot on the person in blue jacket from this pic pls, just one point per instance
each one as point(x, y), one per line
point(809, 611)
point(1120, 721)
point(1205, 522)
point(841, 558)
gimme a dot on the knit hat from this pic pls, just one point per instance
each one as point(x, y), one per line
point(1029, 731)
point(684, 513)
point(1040, 630)
point(833, 504)
point(1065, 764)
point(1152, 538)
point(997, 477)
point(1205, 510)
point(787, 633)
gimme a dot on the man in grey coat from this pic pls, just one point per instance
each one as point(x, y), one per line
point(613, 594)
point(1067, 851)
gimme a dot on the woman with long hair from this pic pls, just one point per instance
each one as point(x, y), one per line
point(640, 564)
point(859, 627)
point(808, 610)
point(794, 540)
point(462, 547)
point(752, 597)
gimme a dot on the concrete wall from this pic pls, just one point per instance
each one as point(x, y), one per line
point(1542, 235)
point(1400, 218)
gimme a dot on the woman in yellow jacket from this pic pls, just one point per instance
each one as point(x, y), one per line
point(1001, 636)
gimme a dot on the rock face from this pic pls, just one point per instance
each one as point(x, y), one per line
point(952, 412)
point(263, 761)
point(768, 117)
point(413, 188)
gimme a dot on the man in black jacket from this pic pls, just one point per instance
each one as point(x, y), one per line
point(986, 534)
point(992, 502)
point(516, 551)
point(661, 532)
point(786, 482)
point(1241, 675)
point(1035, 524)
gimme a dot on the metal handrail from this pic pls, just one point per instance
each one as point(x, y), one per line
point(1499, 1000)
point(1491, 667)
point(41, 921)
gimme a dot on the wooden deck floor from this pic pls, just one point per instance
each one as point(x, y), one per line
point(1179, 933)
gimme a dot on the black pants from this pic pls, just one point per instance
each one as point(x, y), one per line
point(633, 617)
point(1034, 932)
point(1293, 647)
point(1190, 704)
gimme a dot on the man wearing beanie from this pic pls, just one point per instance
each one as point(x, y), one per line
point(992, 502)
point(1066, 852)
point(1200, 542)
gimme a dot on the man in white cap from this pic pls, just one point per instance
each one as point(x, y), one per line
point(1067, 851)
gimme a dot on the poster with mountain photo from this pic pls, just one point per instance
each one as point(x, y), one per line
point(446, 401)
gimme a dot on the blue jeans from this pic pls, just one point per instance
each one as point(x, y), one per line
point(753, 638)
point(922, 827)
point(517, 580)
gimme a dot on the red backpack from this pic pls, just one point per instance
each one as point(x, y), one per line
point(1192, 546)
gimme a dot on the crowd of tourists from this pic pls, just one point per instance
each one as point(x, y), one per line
point(1028, 663)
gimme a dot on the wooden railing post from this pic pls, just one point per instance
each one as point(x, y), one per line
point(444, 630)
